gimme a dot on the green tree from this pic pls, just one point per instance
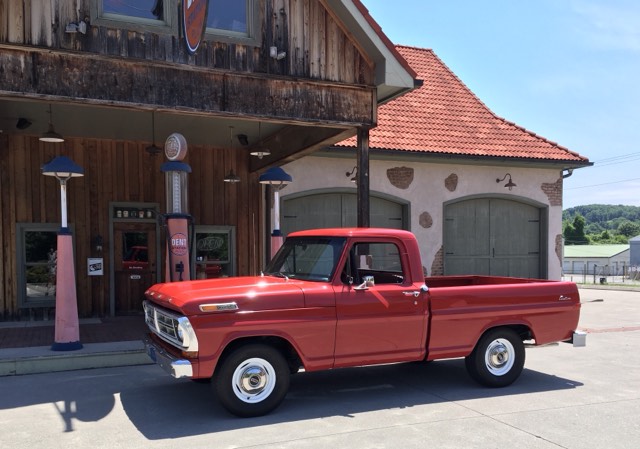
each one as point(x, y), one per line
point(628, 229)
point(574, 231)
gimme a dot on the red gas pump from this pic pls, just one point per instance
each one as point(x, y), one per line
point(177, 222)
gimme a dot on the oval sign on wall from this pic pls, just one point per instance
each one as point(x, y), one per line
point(194, 19)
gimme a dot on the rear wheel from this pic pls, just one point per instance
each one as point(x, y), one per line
point(498, 358)
point(253, 380)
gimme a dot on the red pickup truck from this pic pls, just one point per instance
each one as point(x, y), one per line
point(334, 298)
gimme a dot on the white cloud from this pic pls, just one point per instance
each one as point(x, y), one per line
point(610, 25)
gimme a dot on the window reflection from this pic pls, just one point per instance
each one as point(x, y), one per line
point(40, 257)
point(135, 251)
point(144, 9)
point(228, 15)
point(213, 253)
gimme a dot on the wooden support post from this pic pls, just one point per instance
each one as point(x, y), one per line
point(364, 220)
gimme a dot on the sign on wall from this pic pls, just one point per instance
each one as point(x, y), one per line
point(194, 18)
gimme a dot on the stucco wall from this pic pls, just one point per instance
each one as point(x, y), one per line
point(427, 186)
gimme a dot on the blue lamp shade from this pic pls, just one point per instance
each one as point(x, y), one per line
point(275, 175)
point(62, 167)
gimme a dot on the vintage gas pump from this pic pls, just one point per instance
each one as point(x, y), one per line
point(178, 223)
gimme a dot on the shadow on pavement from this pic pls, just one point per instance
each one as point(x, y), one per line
point(186, 408)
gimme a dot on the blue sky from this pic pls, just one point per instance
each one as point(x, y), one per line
point(568, 70)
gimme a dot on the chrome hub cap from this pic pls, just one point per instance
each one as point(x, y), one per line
point(499, 357)
point(253, 380)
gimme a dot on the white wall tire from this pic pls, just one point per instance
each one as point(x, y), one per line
point(252, 380)
point(498, 358)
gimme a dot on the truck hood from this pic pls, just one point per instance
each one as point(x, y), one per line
point(218, 295)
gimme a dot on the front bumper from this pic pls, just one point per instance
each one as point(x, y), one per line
point(178, 368)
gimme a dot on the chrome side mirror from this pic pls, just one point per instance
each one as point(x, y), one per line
point(367, 283)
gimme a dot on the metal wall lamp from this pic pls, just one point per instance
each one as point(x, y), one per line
point(51, 135)
point(354, 172)
point(510, 184)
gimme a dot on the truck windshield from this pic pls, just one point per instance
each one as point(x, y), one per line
point(307, 258)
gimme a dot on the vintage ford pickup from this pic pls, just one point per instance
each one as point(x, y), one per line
point(334, 298)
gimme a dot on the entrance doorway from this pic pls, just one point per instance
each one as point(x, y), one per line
point(135, 264)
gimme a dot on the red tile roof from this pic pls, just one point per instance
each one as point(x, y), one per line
point(444, 117)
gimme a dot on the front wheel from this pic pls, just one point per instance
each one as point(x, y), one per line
point(253, 380)
point(498, 358)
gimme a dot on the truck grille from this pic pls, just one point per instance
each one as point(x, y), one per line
point(166, 325)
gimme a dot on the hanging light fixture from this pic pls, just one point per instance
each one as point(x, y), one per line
point(260, 151)
point(231, 176)
point(51, 135)
point(153, 149)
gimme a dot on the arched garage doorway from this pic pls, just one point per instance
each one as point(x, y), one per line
point(495, 236)
point(339, 209)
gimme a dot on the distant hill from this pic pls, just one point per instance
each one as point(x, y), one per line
point(615, 219)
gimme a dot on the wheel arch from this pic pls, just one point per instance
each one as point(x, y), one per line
point(284, 346)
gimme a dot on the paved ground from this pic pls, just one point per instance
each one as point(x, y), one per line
point(566, 398)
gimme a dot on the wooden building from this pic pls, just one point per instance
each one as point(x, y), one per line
point(287, 76)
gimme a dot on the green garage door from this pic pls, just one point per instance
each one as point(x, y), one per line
point(493, 237)
point(337, 210)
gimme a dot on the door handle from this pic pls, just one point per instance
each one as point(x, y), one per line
point(415, 294)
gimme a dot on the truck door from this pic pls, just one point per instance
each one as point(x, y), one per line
point(383, 322)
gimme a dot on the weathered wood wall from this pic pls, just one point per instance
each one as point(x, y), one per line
point(115, 171)
point(317, 46)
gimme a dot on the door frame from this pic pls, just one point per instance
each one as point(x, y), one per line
point(114, 218)
point(543, 263)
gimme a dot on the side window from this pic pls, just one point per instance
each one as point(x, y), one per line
point(380, 260)
point(233, 21)
point(228, 15)
point(135, 12)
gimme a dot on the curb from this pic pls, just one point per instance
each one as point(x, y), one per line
point(41, 359)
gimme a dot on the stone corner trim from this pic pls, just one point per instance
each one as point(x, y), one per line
point(553, 192)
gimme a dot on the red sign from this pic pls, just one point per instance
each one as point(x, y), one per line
point(178, 244)
point(194, 19)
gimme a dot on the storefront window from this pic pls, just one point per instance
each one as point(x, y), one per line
point(37, 259)
point(214, 251)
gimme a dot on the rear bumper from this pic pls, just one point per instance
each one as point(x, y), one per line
point(178, 368)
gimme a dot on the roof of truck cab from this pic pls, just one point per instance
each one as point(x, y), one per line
point(352, 232)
